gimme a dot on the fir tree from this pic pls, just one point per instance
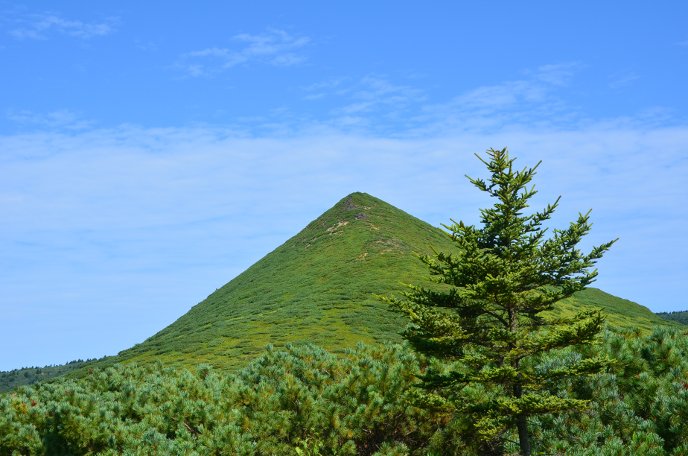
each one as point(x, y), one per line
point(488, 316)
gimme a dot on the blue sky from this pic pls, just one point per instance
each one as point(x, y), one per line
point(148, 155)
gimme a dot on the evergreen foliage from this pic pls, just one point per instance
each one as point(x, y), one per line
point(489, 320)
point(301, 400)
point(639, 407)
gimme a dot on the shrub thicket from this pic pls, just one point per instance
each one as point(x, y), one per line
point(306, 401)
point(302, 400)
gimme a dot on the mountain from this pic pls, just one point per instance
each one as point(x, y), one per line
point(320, 286)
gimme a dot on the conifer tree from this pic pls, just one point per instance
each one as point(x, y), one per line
point(488, 317)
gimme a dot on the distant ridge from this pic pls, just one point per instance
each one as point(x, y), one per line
point(680, 316)
point(319, 287)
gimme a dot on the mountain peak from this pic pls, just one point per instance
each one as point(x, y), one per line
point(357, 203)
point(318, 287)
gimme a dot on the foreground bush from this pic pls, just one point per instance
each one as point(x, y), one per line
point(638, 407)
point(301, 400)
point(305, 401)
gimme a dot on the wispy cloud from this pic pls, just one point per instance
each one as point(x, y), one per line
point(537, 88)
point(275, 47)
point(556, 74)
point(63, 119)
point(42, 26)
point(623, 79)
point(371, 101)
point(147, 45)
point(530, 100)
point(379, 104)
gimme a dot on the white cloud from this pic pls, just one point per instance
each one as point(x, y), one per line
point(63, 119)
point(531, 101)
point(370, 103)
point(622, 79)
point(537, 87)
point(275, 47)
point(41, 26)
point(374, 103)
point(557, 74)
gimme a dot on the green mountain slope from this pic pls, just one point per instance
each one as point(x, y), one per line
point(620, 313)
point(319, 286)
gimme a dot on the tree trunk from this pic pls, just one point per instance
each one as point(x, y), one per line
point(523, 439)
point(522, 425)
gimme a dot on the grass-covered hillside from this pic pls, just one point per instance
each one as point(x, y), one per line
point(620, 313)
point(320, 287)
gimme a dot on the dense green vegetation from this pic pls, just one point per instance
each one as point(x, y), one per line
point(302, 398)
point(320, 287)
point(305, 401)
point(677, 316)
